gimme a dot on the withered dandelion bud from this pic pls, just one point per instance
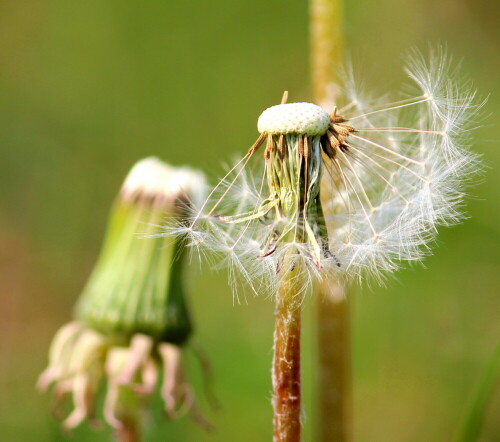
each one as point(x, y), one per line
point(132, 308)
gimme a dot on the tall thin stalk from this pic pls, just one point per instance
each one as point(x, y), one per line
point(333, 374)
point(286, 360)
point(326, 27)
point(333, 379)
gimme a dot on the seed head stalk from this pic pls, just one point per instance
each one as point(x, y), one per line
point(129, 408)
point(129, 432)
point(333, 379)
point(286, 360)
point(293, 167)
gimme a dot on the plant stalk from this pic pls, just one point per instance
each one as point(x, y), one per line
point(333, 373)
point(286, 360)
point(128, 413)
point(326, 28)
point(129, 432)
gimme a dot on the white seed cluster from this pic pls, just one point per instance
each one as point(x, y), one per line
point(294, 118)
point(154, 177)
point(149, 175)
point(398, 176)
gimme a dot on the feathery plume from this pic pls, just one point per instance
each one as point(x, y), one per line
point(350, 193)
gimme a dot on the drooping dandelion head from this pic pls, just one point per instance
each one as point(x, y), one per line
point(351, 191)
point(132, 319)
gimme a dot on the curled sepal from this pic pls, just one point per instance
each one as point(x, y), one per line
point(177, 394)
point(76, 362)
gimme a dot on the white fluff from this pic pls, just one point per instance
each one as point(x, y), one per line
point(403, 176)
point(151, 176)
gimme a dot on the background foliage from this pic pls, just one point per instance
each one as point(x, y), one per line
point(87, 88)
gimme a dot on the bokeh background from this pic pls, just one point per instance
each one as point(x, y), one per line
point(89, 87)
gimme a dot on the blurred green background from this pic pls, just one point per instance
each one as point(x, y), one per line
point(89, 87)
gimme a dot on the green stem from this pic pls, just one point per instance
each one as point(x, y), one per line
point(333, 374)
point(128, 412)
point(326, 18)
point(286, 360)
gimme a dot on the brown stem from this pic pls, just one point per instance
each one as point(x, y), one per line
point(128, 432)
point(333, 378)
point(286, 360)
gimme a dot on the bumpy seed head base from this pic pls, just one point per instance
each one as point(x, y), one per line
point(296, 136)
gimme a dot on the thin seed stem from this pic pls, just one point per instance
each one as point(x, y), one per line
point(400, 129)
point(345, 199)
point(379, 175)
point(386, 149)
point(393, 103)
point(363, 208)
point(390, 108)
point(286, 360)
point(356, 177)
point(351, 146)
point(243, 160)
point(256, 208)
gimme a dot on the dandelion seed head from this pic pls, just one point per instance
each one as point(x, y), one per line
point(149, 175)
point(350, 194)
point(294, 118)
point(152, 179)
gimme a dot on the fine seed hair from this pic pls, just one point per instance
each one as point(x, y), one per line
point(353, 192)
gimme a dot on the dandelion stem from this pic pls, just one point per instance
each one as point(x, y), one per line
point(326, 48)
point(334, 377)
point(128, 432)
point(286, 360)
point(326, 26)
